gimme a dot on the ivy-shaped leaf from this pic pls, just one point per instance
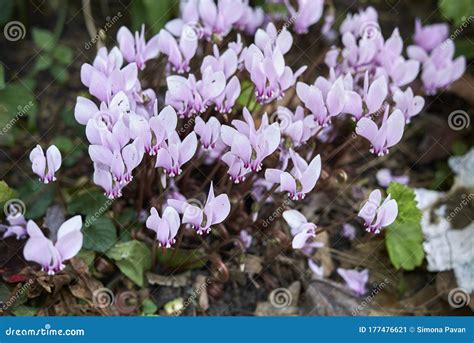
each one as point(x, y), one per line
point(44, 39)
point(37, 198)
point(132, 258)
point(6, 193)
point(99, 234)
point(404, 237)
point(181, 259)
point(457, 10)
point(89, 202)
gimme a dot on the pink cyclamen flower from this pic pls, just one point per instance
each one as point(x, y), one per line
point(296, 126)
point(307, 14)
point(440, 70)
point(136, 49)
point(175, 153)
point(249, 146)
point(400, 70)
point(375, 94)
point(317, 270)
point(408, 103)
point(265, 62)
point(323, 103)
point(51, 256)
point(246, 238)
point(215, 211)
point(430, 36)
point(17, 224)
point(226, 101)
point(154, 131)
point(357, 23)
point(166, 227)
point(104, 64)
point(378, 214)
point(190, 96)
point(301, 230)
point(384, 177)
point(104, 86)
point(218, 19)
point(385, 137)
point(349, 231)
point(45, 165)
point(300, 180)
point(208, 132)
point(104, 178)
point(179, 54)
point(226, 63)
point(120, 160)
point(355, 280)
point(251, 19)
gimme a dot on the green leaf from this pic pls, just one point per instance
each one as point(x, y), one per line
point(456, 10)
point(63, 54)
point(16, 102)
point(37, 198)
point(24, 311)
point(87, 256)
point(99, 234)
point(148, 307)
point(158, 13)
point(42, 62)
point(70, 150)
point(90, 203)
point(132, 258)
point(64, 144)
point(6, 10)
point(59, 73)
point(464, 48)
point(6, 193)
point(67, 116)
point(404, 238)
point(247, 96)
point(44, 39)
point(181, 259)
point(2, 77)
point(126, 216)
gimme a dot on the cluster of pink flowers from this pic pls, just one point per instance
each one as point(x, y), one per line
point(369, 81)
point(366, 74)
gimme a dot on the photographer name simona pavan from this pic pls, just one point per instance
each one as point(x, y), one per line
point(441, 329)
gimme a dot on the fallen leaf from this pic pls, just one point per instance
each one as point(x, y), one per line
point(179, 280)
